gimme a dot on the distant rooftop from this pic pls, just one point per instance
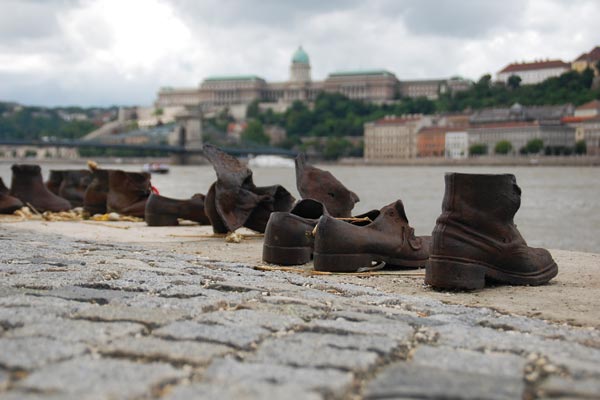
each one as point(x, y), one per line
point(382, 72)
point(592, 56)
point(233, 78)
point(528, 66)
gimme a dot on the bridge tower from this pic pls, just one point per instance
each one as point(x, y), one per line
point(188, 134)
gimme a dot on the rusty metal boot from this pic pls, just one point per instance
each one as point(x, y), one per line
point(163, 211)
point(94, 198)
point(389, 239)
point(54, 180)
point(8, 203)
point(475, 239)
point(315, 183)
point(73, 185)
point(234, 200)
point(28, 186)
point(128, 192)
point(289, 236)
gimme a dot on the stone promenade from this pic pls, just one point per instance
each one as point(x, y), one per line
point(85, 319)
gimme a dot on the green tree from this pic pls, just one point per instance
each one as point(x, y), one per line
point(336, 147)
point(514, 81)
point(503, 147)
point(255, 133)
point(478, 149)
point(253, 110)
point(534, 146)
point(580, 147)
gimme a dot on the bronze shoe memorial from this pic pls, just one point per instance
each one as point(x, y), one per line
point(8, 204)
point(389, 239)
point(234, 200)
point(128, 192)
point(164, 211)
point(475, 239)
point(73, 185)
point(315, 183)
point(28, 186)
point(94, 197)
point(54, 180)
point(289, 236)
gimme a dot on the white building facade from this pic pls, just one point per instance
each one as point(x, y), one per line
point(533, 72)
point(457, 145)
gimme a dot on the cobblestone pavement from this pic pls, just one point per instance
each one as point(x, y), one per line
point(81, 319)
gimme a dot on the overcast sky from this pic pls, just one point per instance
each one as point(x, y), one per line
point(105, 52)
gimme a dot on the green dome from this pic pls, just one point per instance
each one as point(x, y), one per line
point(300, 56)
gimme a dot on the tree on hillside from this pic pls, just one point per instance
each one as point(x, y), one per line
point(580, 147)
point(514, 81)
point(255, 133)
point(503, 147)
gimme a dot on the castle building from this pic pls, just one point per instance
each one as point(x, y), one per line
point(587, 60)
point(369, 85)
point(533, 72)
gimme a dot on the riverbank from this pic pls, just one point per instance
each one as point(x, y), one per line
point(121, 310)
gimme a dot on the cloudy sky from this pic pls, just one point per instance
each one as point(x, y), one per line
point(105, 52)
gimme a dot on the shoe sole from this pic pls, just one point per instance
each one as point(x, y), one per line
point(286, 255)
point(448, 273)
point(161, 220)
point(354, 262)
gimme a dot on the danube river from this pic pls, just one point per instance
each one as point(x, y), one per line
point(560, 206)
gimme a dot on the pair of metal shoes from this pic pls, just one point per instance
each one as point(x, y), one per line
point(350, 244)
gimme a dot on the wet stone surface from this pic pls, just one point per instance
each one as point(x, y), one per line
point(92, 320)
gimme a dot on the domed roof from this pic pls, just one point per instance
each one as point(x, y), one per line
point(300, 56)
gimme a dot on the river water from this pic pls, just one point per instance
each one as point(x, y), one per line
point(559, 205)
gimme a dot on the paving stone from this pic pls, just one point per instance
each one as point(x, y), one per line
point(239, 337)
point(30, 353)
point(580, 360)
point(52, 280)
point(319, 355)
point(493, 364)
point(91, 295)
point(23, 395)
point(177, 351)
point(394, 329)
point(249, 391)
point(249, 318)
point(148, 316)
point(78, 330)
point(406, 380)
point(104, 378)
point(556, 386)
point(322, 379)
point(304, 312)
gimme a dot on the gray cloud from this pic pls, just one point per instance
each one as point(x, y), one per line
point(120, 52)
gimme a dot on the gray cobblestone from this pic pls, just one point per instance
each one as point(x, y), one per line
point(493, 364)
point(145, 315)
point(560, 387)
point(288, 351)
point(4, 379)
point(30, 353)
point(248, 318)
point(239, 337)
point(406, 380)
point(248, 391)
point(176, 351)
point(394, 329)
point(101, 378)
point(77, 330)
point(322, 379)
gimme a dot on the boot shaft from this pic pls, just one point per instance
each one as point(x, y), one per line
point(26, 176)
point(480, 200)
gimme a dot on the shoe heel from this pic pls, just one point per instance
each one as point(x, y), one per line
point(452, 274)
point(341, 262)
point(161, 220)
point(286, 255)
